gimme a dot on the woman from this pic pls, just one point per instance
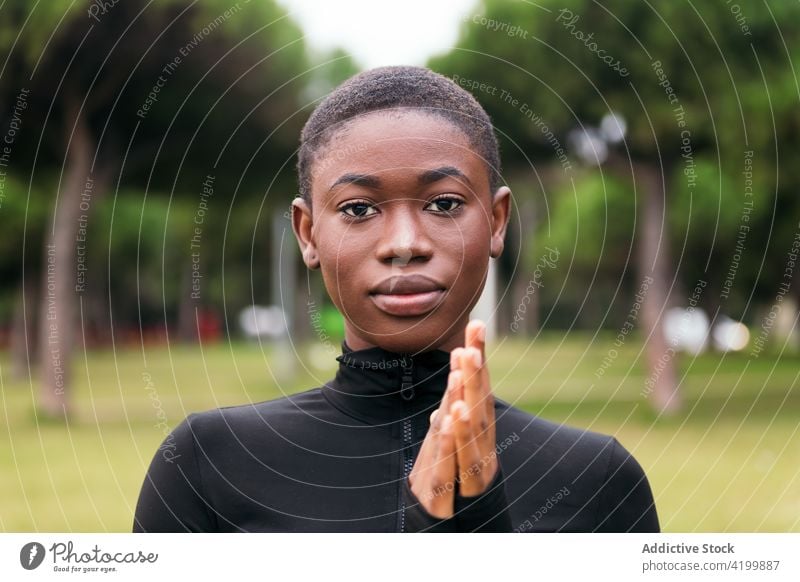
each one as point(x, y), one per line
point(401, 206)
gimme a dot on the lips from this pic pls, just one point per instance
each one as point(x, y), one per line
point(406, 285)
point(407, 295)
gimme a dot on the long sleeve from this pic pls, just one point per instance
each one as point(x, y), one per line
point(417, 519)
point(626, 501)
point(487, 512)
point(171, 498)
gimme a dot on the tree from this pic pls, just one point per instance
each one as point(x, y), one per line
point(691, 81)
point(139, 94)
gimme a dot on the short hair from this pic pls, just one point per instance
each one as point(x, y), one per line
point(396, 87)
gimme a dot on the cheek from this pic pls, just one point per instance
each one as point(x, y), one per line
point(342, 255)
point(475, 264)
point(471, 255)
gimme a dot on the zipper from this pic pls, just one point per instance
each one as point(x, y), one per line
point(408, 463)
point(407, 394)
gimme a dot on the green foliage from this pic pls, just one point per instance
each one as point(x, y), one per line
point(171, 92)
point(27, 26)
point(594, 215)
point(695, 213)
point(23, 213)
point(190, 85)
point(592, 228)
point(698, 85)
point(135, 251)
point(332, 322)
point(542, 54)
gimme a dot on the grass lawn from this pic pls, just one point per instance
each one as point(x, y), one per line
point(729, 462)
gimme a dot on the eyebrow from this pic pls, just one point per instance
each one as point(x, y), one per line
point(425, 178)
point(358, 180)
point(432, 176)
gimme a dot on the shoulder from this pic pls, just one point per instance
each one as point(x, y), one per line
point(552, 440)
point(596, 468)
point(256, 414)
point(256, 426)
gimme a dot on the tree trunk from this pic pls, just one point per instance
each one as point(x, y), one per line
point(96, 310)
point(23, 329)
point(57, 318)
point(654, 267)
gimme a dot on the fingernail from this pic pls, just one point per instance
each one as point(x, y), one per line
point(454, 355)
point(481, 333)
point(446, 423)
point(476, 357)
point(461, 407)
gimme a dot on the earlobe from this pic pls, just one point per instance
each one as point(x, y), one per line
point(302, 225)
point(501, 204)
point(310, 258)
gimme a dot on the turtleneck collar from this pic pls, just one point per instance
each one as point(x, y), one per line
point(379, 386)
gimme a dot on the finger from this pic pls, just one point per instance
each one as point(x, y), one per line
point(468, 453)
point(474, 392)
point(428, 450)
point(455, 383)
point(488, 394)
point(455, 356)
point(430, 442)
point(455, 364)
point(444, 471)
point(427, 443)
point(435, 419)
point(475, 336)
point(450, 395)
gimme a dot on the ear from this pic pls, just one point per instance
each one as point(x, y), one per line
point(303, 226)
point(501, 205)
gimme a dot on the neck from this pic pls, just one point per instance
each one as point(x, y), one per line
point(378, 385)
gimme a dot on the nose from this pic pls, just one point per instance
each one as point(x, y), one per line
point(405, 238)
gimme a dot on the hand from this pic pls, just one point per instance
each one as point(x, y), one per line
point(460, 444)
point(473, 417)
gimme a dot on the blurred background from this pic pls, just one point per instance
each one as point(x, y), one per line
point(649, 287)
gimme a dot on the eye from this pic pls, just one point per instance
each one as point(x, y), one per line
point(358, 209)
point(446, 204)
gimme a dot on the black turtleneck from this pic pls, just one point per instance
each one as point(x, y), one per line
point(337, 458)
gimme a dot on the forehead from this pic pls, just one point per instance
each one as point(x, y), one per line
point(396, 144)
